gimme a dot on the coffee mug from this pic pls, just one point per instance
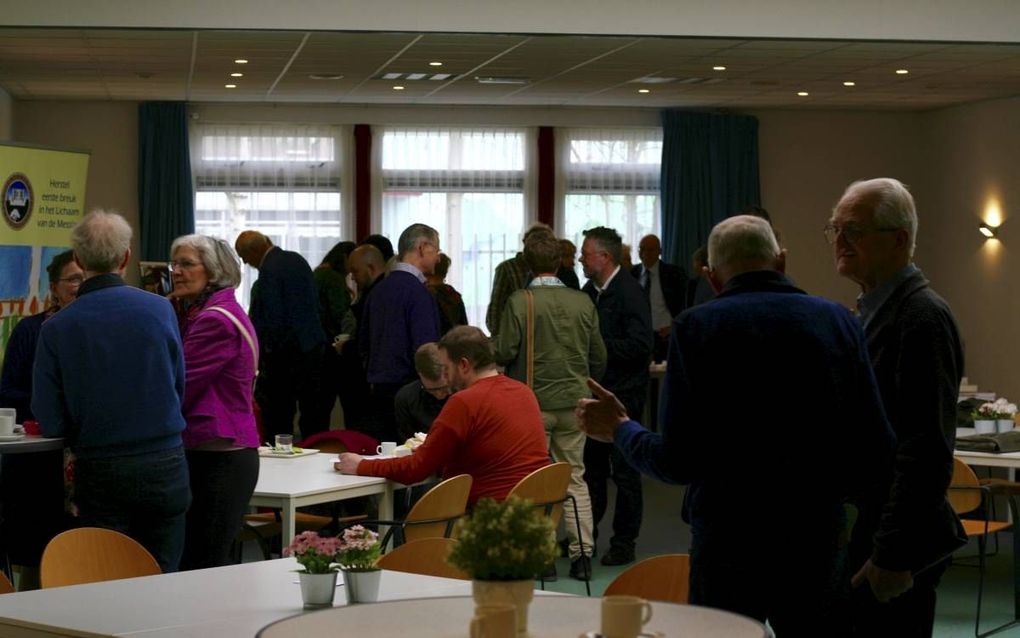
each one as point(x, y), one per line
point(386, 448)
point(624, 616)
point(494, 621)
point(6, 425)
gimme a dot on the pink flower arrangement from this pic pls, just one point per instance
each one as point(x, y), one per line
point(317, 554)
point(359, 549)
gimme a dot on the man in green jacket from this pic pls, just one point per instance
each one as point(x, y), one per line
point(554, 353)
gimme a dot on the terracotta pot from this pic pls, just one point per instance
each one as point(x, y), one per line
point(513, 592)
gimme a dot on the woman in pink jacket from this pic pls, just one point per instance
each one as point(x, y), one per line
point(220, 359)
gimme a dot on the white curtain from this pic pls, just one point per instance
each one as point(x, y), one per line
point(473, 185)
point(288, 181)
point(608, 177)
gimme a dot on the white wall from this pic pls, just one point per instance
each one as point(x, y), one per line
point(977, 20)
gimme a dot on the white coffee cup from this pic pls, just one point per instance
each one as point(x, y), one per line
point(6, 425)
point(624, 616)
point(386, 448)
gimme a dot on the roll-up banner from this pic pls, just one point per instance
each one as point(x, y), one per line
point(42, 199)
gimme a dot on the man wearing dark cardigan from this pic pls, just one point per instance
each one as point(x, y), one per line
point(906, 531)
point(400, 316)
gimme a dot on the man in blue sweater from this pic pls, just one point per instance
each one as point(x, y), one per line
point(109, 378)
point(773, 419)
point(401, 315)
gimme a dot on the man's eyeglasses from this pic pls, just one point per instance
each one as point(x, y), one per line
point(435, 389)
point(850, 232)
point(74, 280)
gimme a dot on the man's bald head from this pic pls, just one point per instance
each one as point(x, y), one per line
point(252, 246)
point(365, 264)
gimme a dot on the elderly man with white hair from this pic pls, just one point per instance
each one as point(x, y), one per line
point(773, 419)
point(109, 378)
point(906, 529)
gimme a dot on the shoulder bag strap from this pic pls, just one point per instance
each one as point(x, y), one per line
point(244, 332)
point(531, 338)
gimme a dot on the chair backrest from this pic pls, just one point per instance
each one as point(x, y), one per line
point(91, 555)
point(547, 487)
point(424, 556)
point(6, 587)
point(964, 490)
point(341, 441)
point(663, 578)
point(444, 503)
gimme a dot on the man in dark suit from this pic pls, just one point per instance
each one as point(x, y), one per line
point(797, 580)
point(285, 312)
point(666, 287)
point(626, 326)
point(907, 529)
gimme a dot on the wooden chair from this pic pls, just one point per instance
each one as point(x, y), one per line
point(92, 555)
point(6, 587)
point(662, 578)
point(433, 515)
point(967, 495)
point(423, 556)
point(547, 488)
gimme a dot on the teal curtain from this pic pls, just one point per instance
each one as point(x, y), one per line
point(709, 173)
point(166, 200)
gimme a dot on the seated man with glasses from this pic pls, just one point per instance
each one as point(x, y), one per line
point(32, 485)
point(418, 403)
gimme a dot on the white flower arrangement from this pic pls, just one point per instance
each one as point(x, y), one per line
point(998, 409)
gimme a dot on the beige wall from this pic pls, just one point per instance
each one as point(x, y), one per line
point(6, 115)
point(971, 152)
point(109, 131)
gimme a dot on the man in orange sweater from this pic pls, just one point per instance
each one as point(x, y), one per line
point(491, 428)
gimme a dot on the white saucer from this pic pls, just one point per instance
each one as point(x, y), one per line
point(6, 438)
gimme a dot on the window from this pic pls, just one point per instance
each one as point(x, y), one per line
point(469, 184)
point(610, 177)
point(281, 180)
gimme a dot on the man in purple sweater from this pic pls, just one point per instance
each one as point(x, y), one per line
point(400, 316)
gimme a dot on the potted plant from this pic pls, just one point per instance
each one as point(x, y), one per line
point(358, 554)
point(317, 555)
point(1005, 413)
point(985, 417)
point(502, 546)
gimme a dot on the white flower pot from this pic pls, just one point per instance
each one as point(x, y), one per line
point(362, 586)
point(511, 592)
point(984, 426)
point(1004, 425)
point(317, 590)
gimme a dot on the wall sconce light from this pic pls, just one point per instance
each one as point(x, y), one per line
point(988, 231)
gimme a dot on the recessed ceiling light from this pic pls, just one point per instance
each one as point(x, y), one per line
point(718, 68)
point(848, 83)
point(416, 76)
point(435, 64)
point(440, 76)
point(644, 91)
point(653, 79)
point(803, 93)
point(488, 79)
point(325, 76)
point(230, 86)
point(902, 71)
point(240, 61)
point(398, 88)
point(237, 75)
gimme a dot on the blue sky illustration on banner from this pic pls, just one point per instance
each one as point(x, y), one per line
point(15, 271)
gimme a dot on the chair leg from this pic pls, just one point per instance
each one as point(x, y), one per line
point(981, 583)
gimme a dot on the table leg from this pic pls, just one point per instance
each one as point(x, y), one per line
point(386, 508)
point(287, 515)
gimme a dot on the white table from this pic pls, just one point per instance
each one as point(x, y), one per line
point(225, 602)
point(289, 483)
point(31, 443)
point(548, 616)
